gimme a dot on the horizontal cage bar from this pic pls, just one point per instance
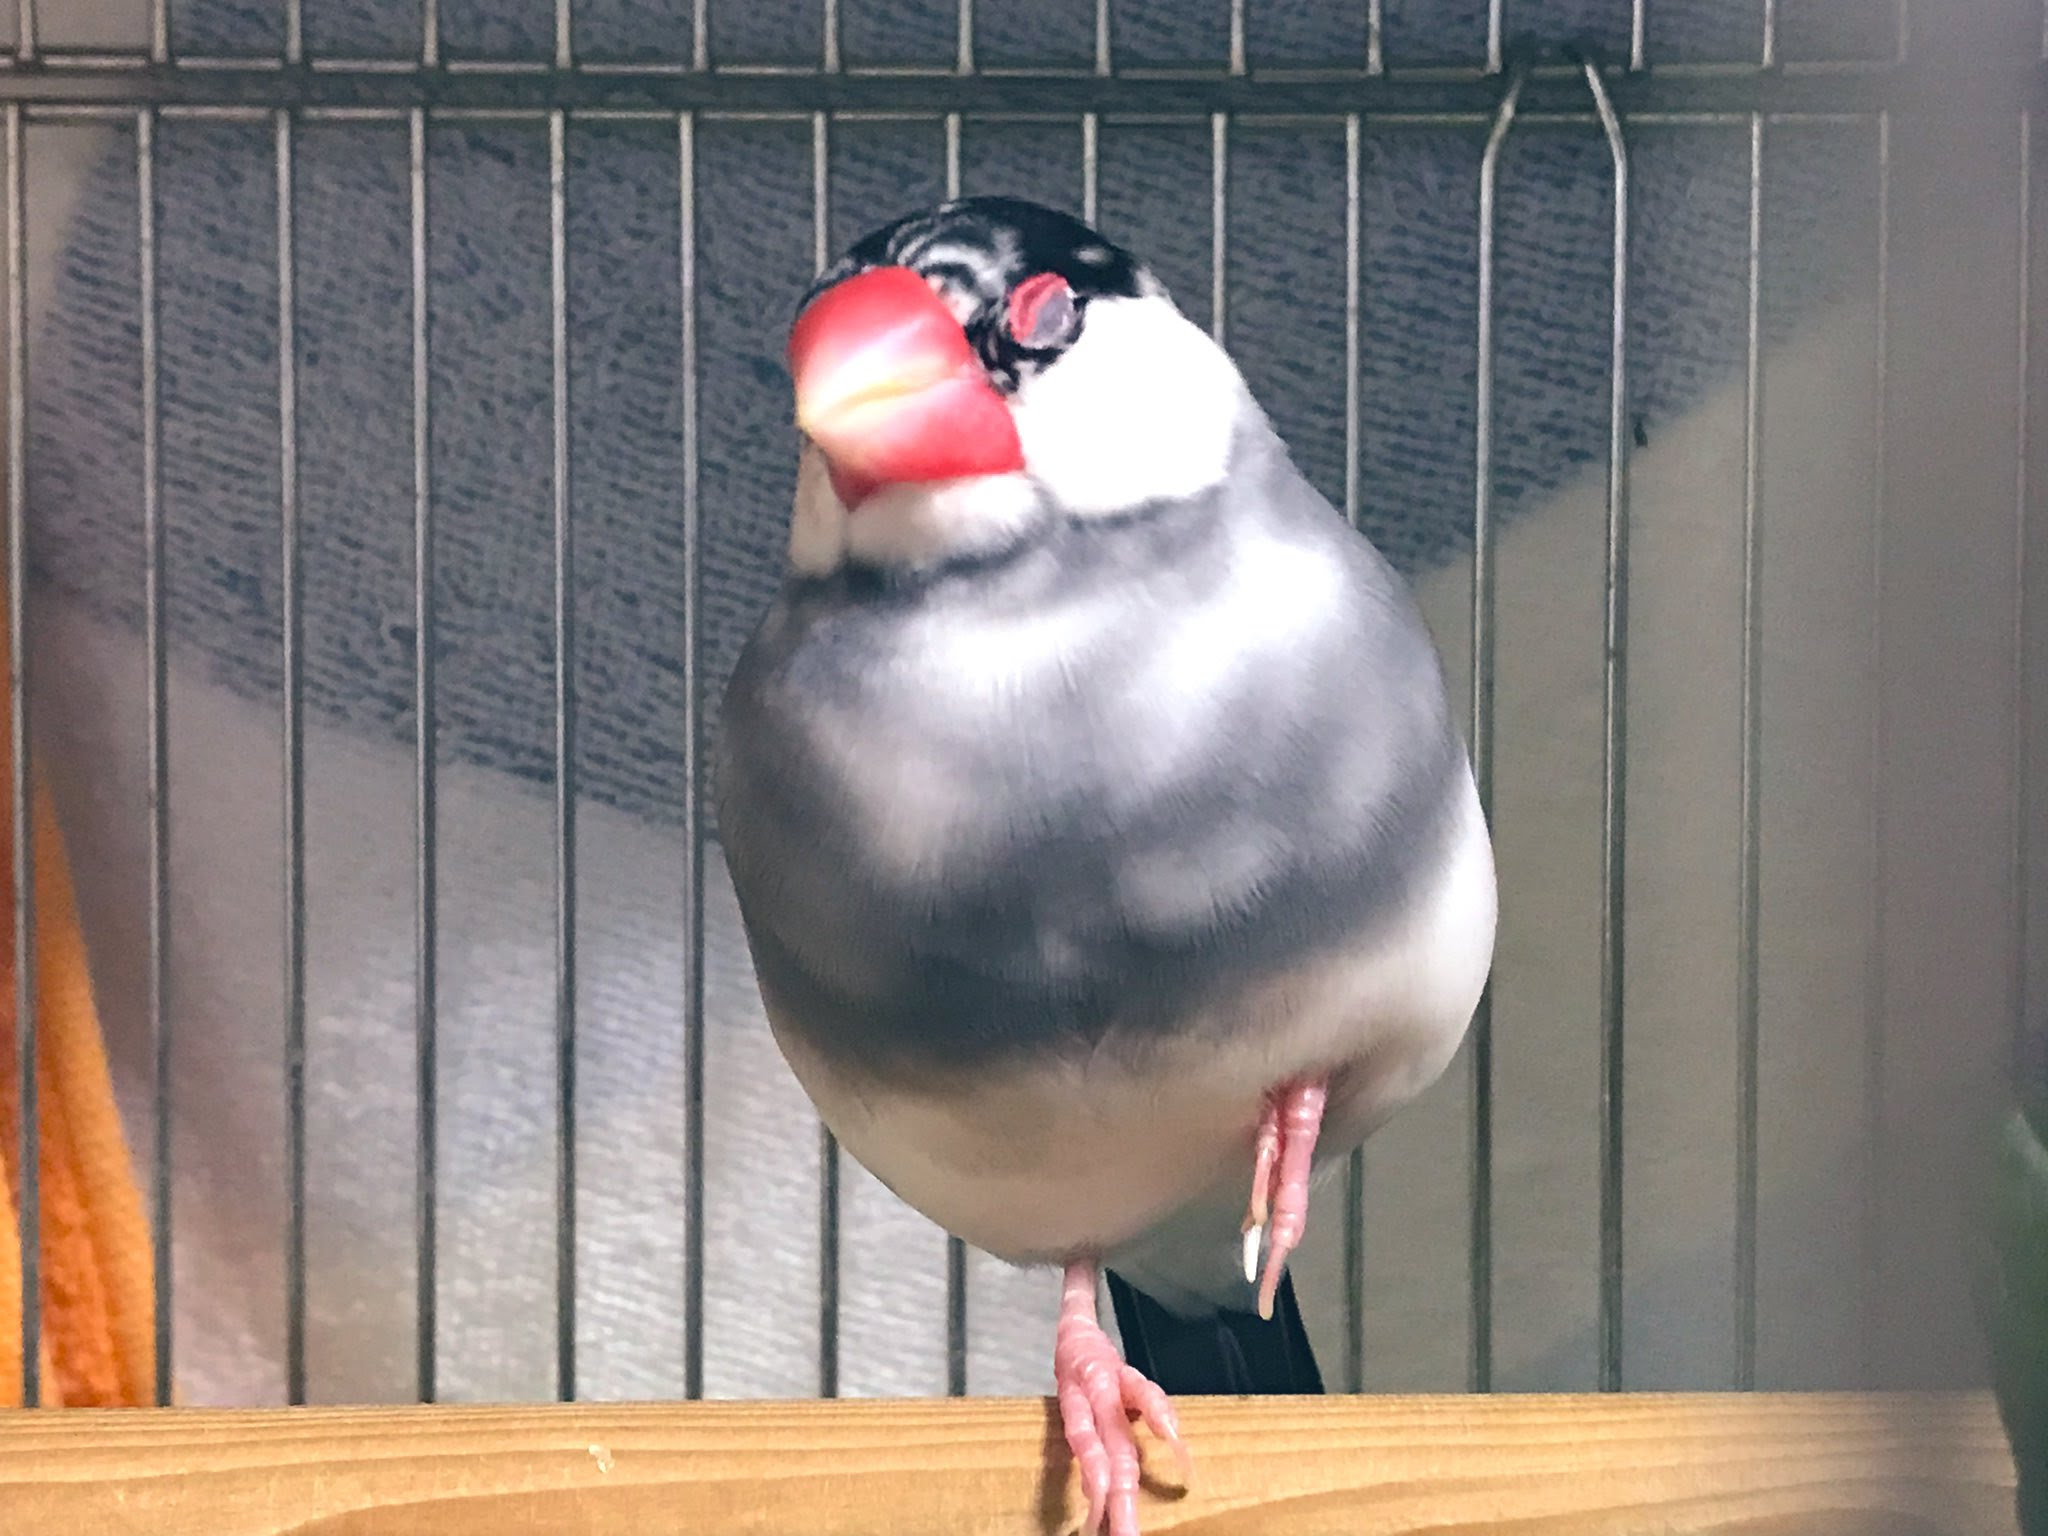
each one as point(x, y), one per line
point(265, 84)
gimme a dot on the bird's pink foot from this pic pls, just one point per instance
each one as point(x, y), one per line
point(1285, 1151)
point(1097, 1394)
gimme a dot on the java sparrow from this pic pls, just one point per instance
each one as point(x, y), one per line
point(1106, 847)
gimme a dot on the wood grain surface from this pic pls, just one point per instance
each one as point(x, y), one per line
point(1760, 1465)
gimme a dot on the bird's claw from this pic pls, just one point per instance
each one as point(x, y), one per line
point(1097, 1395)
point(1267, 1147)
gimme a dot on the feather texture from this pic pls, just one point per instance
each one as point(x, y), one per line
point(1054, 859)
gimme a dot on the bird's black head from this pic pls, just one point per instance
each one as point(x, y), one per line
point(990, 258)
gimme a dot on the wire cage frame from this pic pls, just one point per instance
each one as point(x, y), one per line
point(1512, 90)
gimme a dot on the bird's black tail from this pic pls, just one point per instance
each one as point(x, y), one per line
point(1226, 1354)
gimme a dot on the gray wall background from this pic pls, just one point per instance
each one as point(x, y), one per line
point(1890, 961)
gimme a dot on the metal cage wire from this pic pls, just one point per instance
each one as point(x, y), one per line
point(1510, 92)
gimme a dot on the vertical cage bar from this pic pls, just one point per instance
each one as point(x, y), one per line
point(25, 30)
point(1237, 39)
point(294, 771)
point(294, 32)
point(956, 1250)
point(1091, 168)
point(1902, 13)
point(693, 789)
point(828, 1148)
point(1876, 989)
point(1638, 29)
point(1091, 125)
point(1749, 892)
point(700, 35)
point(30, 1230)
point(1353, 314)
point(1767, 57)
point(2022, 711)
point(1354, 1205)
point(828, 1264)
point(956, 1318)
point(1479, 1249)
point(430, 33)
point(160, 30)
point(1375, 38)
point(829, 43)
point(1613, 798)
point(156, 662)
point(565, 770)
point(1494, 25)
point(963, 38)
point(565, 34)
point(1219, 225)
point(426, 834)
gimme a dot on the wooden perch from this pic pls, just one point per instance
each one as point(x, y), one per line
point(1761, 1465)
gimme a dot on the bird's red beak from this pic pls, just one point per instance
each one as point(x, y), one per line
point(890, 391)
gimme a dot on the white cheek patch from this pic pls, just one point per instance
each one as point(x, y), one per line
point(1142, 408)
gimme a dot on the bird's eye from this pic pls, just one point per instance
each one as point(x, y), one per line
point(1043, 313)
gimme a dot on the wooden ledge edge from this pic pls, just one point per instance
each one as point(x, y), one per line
point(1762, 1464)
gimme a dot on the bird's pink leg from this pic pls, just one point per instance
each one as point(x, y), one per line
point(1286, 1144)
point(1097, 1394)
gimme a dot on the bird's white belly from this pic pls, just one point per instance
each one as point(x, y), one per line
point(1084, 1156)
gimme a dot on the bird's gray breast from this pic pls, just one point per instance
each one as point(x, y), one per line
point(1056, 802)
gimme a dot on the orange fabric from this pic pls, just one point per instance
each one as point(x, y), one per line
point(98, 1317)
